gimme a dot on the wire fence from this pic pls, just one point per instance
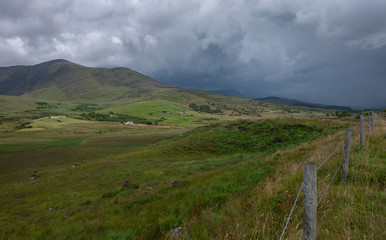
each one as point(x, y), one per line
point(371, 121)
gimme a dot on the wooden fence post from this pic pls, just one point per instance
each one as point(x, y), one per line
point(368, 124)
point(346, 154)
point(309, 201)
point(373, 117)
point(362, 129)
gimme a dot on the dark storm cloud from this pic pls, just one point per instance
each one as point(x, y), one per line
point(330, 51)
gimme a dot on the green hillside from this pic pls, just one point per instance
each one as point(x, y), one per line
point(60, 82)
point(63, 80)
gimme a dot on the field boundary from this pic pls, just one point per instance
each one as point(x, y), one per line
point(310, 194)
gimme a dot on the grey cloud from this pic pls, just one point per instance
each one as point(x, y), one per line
point(324, 51)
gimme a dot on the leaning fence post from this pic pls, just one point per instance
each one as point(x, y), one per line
point(362, 129)
point(346, 154)
point(309, 201)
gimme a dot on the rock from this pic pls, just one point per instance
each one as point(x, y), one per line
point(124, 184)
point(176, 232)
point(149, 186)
point(173, 184)
point(32, 178)
point(127, 184)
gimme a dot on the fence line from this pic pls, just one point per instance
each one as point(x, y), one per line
point(301, 188)
point(371, 121)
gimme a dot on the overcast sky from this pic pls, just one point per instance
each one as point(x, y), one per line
point(326, 51)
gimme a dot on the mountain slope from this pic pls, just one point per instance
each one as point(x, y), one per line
point(63, 79)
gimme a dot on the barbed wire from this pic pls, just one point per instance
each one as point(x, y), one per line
point(301, 187)
point(328, 186)
point(293, 207)
point(336, 171)
point(330, 155)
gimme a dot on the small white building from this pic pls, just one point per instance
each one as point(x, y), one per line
point(55, 117)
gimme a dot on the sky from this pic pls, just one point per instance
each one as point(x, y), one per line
point(324, 51)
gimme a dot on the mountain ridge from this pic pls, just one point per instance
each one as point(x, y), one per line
point(294, 102)
point(230, 92)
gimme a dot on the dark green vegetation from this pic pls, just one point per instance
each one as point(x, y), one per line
point(204, 108)
point(193, 171)
point(113, 117)
point(245, 136)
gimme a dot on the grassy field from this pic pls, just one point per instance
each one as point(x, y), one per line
point(166, 112)
point(53, 143)
point(225, 180)
point(152, 106)
point(85, 199)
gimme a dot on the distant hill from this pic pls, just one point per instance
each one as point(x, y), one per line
point(61, 79)
point(294, 102)
point(230, 92)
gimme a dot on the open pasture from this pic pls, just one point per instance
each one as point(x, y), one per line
point(102, 180)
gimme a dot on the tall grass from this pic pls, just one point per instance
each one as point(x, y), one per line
point(352, 210)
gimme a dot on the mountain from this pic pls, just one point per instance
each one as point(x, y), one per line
point(295, 102)
point(61, 79)
point(67, 82)
point(230, 92)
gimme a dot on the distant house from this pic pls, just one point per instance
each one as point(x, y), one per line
point(55, 117)
point(166, 112)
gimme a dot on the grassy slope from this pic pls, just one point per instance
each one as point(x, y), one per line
point(86, 202)
point(354, 210)
point(10, 105)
